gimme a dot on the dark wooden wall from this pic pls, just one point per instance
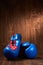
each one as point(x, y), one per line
point(24, 17)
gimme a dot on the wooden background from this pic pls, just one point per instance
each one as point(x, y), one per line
point(24, 17)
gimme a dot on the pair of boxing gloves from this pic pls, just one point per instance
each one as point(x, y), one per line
point(12, 50)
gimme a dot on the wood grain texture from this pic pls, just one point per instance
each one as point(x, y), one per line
point(24, 62)
point(24, 17)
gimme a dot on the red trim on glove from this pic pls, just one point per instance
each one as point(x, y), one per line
point(13, 47)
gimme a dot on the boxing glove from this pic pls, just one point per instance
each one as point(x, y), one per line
point(30, 50)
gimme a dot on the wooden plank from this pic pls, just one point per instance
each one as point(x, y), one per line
point(22, 62)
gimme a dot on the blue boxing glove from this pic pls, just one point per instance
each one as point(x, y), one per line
point(30, 50)
point(12, 50)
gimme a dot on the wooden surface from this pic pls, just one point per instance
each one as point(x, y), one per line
point(26, 18)
point(22, 62)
